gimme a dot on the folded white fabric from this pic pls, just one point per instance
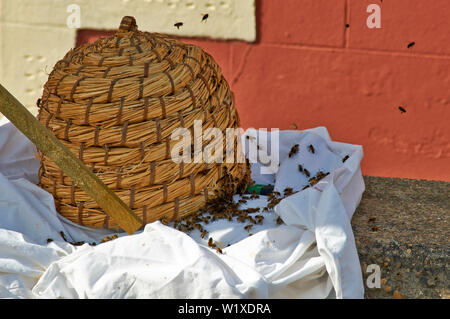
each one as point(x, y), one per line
point(312, 255)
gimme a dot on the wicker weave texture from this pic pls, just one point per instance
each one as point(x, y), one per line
point(115, 103)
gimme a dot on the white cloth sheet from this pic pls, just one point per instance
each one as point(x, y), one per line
point(311, 255)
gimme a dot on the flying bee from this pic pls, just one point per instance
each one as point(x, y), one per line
point(311, 148)
point(410, 45)
point(205, 17)
point(248, 137)
point(300, 168)
point(294, 150)
point(178, 25)
point(402, 110)
point(306, 172)
point(345, 158)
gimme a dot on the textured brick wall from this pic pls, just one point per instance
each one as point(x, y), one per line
point(307, 67)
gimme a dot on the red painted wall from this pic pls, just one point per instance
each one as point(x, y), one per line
point(307, 67)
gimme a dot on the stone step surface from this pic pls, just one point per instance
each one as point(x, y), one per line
point(402, 225)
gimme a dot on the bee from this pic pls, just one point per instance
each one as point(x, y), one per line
point(49, 240)
point(248, 227)
point(402, 110)
point(38, 103)
point(248, 137)
point(410, 45)
point(306, 172)
point(105, 239)
point(305, 187)
point(288, 191)
point(372, 219)
point(311, 148)
point(241, 218)
point(375, 228)
point(178, 25)
point(211, 243)
point(279, 220)
point(259, 219)
point(63, 235)
point(203, 234)
point(300, 168)
point(254, 195)
point(242, 201)
point(313, 181)
point(294, 150)
point(321, 175)
point(205, 17)
point(345, 158)
point(294, 126)
point(219, 250)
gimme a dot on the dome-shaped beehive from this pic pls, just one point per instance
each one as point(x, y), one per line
point(115, 104)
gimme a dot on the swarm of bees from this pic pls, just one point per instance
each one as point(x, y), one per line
point(222, 205)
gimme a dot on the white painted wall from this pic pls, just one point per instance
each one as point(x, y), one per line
point(34, 33)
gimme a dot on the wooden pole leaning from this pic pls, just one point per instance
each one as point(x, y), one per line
point(68, 162)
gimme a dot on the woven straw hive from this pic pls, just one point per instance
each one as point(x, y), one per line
point(115, 103)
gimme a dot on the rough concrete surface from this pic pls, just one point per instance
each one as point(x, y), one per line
point(402, 225)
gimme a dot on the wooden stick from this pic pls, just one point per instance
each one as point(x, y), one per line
point(68, 162)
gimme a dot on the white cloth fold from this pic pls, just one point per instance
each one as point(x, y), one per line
point(312, 255)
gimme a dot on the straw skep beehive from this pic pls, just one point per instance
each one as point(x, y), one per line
point(115, 103)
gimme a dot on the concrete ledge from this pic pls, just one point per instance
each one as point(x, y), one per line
point(402, 225)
